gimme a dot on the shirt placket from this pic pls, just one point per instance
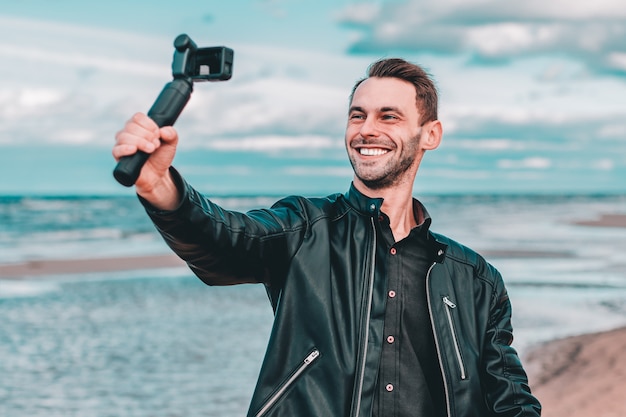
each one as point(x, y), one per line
point(390, 354)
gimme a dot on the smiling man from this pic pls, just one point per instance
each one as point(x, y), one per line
point(375, 314)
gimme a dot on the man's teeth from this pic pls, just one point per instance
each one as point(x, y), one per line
point(372, 151)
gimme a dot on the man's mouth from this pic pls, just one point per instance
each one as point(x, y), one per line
point(372, 151)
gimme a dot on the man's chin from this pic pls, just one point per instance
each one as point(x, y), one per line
point(377, 183)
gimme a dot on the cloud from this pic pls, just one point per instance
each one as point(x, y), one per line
point(308, 171)
point(71, 45)
point(500, 131)
point(266, 106)
point(604, 164)
point(525, 163)
point(72, 87)
point(81, 84)
point(41, 59)
point(275, 8)
point(492, 31)
point(490, 145)
point(303, 144)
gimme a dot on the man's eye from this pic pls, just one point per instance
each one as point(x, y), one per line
point(389, 117)
point(356, 116)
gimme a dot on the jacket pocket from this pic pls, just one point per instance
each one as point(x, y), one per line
point(293, 377)
point(457, 350)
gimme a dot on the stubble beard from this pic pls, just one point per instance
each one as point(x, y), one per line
point(392, 173)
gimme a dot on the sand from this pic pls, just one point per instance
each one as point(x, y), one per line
point(582, 376)
point(46, 267)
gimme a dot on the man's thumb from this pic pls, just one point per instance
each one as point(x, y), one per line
point(168, 134)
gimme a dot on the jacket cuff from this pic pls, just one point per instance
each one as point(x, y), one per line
point(182, 187)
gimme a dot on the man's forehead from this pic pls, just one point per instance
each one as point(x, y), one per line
point(385, 89)
point(385, 94)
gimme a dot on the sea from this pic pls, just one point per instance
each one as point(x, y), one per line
point(159, 343)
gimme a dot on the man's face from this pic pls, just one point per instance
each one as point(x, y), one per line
point(382, 136)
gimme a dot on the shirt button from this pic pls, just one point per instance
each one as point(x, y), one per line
point(393, 251)
point(392, 294)
point(389, 387)
point(390, 339)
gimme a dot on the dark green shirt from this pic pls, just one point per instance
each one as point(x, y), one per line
point(409, 379)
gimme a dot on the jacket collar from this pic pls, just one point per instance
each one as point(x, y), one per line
point(362, 203)
point(371, 207)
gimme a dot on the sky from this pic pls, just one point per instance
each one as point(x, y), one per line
point(532, 94)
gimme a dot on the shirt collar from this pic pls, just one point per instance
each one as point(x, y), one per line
point(371, 206)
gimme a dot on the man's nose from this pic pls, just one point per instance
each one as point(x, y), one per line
point(369, 128)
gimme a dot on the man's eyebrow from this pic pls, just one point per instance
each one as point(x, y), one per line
point(390, 108)
point(381, 110)
point(357, 108)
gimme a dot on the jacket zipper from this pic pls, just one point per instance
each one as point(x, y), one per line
point(301, 368)
point(357, 408)
point(437, 345)
point(457, 350)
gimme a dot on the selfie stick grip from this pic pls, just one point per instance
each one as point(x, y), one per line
point(165, 110)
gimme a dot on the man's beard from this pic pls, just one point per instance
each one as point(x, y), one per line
point(391, 174)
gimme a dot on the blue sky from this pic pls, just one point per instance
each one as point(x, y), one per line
point(533, 94)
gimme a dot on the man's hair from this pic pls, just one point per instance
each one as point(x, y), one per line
point(425, 89)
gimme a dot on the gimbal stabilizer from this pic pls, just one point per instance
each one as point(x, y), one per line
point(190, 64)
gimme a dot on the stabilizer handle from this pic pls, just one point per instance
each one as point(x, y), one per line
point(165, 110)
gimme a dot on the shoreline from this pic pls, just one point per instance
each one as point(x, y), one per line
point(45, 267)
point(70, 266)
point(42, 267)
point(580, 376)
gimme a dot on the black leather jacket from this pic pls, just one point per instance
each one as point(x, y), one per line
point(316, 258)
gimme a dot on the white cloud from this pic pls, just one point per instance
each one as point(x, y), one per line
point(41, 59)
point(38, 97)
point(614, 128)
point(526, 163)
point(76, 85)
point(305, 171)
point(455, 173)
point(74, 136)
point(603, 164)
point(593, 32)
point(82, 84)
point(617, 60)
point(209, 170)
point(269, 105)
point(511, 38)
point(496, 145)
point(272, 143)
point(359, 14)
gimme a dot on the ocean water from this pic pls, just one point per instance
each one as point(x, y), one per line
point(161, 343)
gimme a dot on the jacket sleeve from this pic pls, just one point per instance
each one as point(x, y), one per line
point(505, 382)
point(224, 247)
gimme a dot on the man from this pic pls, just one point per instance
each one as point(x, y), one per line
point(375, 315)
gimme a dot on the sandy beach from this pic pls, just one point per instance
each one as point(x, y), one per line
point(582, 376)
point(46, 267)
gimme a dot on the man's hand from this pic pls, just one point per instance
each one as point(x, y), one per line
point(155, 183)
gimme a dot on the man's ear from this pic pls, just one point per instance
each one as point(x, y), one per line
point(431, 137)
